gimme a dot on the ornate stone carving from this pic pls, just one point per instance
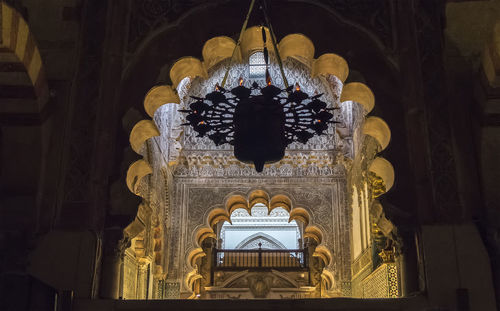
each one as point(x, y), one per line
point(259, 285)
point(377, 185)
point(387, 256)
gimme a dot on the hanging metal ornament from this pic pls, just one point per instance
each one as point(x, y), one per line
point(260, 122)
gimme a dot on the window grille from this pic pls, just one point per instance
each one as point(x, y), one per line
point(257, 65)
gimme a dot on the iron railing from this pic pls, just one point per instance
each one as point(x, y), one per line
point(230, 259)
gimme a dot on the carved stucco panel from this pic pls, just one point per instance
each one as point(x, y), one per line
point(321, 197)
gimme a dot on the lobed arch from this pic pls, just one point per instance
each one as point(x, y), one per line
point(378, 129)
point(383, 169)
point(215, 50)
point(297, 46)
point(236, 200)
point(141, 72)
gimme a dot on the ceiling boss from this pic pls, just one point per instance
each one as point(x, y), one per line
point(260, 121)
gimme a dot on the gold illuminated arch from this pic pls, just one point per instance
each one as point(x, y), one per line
point(218, 49)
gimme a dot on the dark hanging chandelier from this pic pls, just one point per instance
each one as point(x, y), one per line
point(260, 122)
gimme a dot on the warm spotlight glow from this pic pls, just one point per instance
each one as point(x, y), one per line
point(240, 81)
point(297, 87)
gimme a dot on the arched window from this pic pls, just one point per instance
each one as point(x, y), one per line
point(260, 240)
point(272, 230)
point(257, 65)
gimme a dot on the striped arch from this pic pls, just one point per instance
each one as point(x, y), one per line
point(22, 77)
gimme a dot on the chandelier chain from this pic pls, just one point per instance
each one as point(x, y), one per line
point(243, 28)
point(275, 45)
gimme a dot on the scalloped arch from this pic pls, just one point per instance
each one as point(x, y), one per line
point(384, 169)
point(329, 278)
point(236, 201)
point(216, 50)
point(252, 41)
point(300, 214)
point(281, 200)
point(217, 215)
point(204, 233)
point(330, 64)
point(136, 172)
point(297, 46)
point(187, 66)
point(378, 129)
point(258, 196)
point(159, 96)
point(194, 255)
point(313, 232)
point(323, 253)
point(141, 132)
point(190, 280)
point(359, 93)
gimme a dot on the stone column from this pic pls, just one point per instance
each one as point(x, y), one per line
point(115, 243)
point(143, 271)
